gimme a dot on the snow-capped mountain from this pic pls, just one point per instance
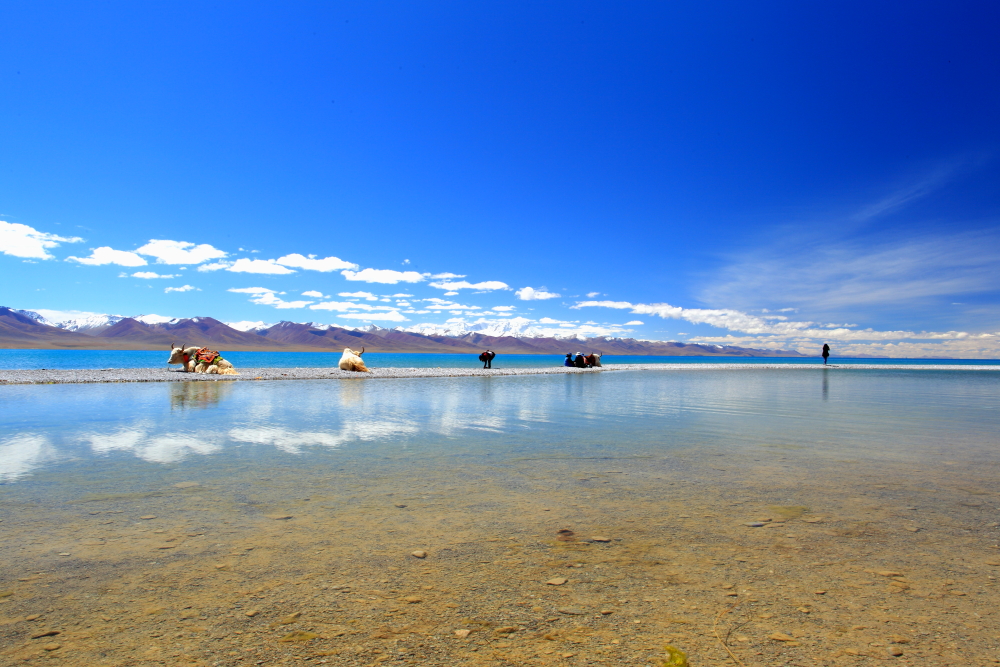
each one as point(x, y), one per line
point(74, 320)
point(515, 327)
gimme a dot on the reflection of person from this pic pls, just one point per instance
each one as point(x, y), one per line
point(487, 358)
point(826, 353)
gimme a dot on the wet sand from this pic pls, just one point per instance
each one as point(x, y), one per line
point(57, 376)
point(769, 554)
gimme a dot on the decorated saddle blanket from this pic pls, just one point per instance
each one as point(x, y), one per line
point(207, 356)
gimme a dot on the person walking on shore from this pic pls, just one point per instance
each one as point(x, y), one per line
point(826, 353)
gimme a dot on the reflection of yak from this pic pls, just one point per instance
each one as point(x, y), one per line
point(351, 361)
point(200, 360)
point(487, 358)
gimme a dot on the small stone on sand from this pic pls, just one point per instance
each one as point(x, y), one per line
point(781, 637)
point(571, 611)
point(279, 517)
point(252, 613)
point(51, 647)
point(419, 553)
point(557, 581)
point(889, 573)
point(412, 599)
point(33, 617)
point(463, 633)
point(598, 538)
point(148, 517)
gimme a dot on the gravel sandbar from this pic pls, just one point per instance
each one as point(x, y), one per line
point(76, 376)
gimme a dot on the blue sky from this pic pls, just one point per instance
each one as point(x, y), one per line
point(772, 175)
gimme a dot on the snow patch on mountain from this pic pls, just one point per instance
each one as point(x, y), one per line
point(155, 319)
point(247, 325)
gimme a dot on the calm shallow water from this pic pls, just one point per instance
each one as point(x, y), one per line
point(183, 521)
point(875, 414)
point(87, 359)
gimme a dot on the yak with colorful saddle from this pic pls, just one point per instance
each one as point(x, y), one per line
point(200, 360)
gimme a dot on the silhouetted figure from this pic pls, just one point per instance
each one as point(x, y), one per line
point(826, 353)
point(569, 360)
point(487, 358)
point(580, 361)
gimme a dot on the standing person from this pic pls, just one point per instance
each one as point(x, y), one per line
point(487, 358)
point(826, 353)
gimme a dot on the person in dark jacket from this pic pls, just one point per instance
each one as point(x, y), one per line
point(826, 353)
point(580, 361)
point(487, 358)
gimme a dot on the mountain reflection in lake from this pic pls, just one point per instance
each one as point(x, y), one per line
point(203, 514)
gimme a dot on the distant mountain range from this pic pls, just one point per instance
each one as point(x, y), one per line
point(25, 329)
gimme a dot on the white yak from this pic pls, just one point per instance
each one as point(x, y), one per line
point(351, 361)
point(200, 360)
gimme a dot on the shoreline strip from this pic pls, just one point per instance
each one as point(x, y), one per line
point(115, 375)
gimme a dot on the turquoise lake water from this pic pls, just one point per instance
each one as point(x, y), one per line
point(69, 359)
point(144, 429)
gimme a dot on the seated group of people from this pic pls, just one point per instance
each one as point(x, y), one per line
point(583, 360)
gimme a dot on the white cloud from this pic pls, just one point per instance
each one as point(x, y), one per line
point(633, 323)
point(402, 296)
point(441, 304)
point(251, 290)
point(451, 293)
point(268, 266)
point(314, 294)
point(591, 295)
point(446, 276)
point(549, 320)
point(149, 275)
point(344, 306)
point(311, 263)
point(384, 276)
point(391, 316)
point(531, 294)
point(214, 266)
point(359, 295)
point(486, 286)
point(777, 333)
point(20, 240)
point(179, 252)
point(182, 288)
point(106, 255)
point(268, 297)
point(503, 309)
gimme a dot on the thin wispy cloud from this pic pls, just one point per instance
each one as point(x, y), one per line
point(847, 275)
point(182, 288)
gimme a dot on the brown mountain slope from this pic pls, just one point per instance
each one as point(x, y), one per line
point(21, 332)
